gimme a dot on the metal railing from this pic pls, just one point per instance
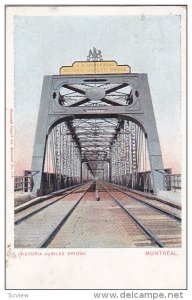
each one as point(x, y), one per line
point(173, 182)
point(23, 183)
point(143, 182)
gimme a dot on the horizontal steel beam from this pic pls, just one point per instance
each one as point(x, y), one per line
point(93, 141)
point(96, 111)
point(97, 160)
point(94, 78)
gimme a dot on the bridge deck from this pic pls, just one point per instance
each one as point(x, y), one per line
point(98, 216)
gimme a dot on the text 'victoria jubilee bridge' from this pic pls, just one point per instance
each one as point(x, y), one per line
point(96, 120)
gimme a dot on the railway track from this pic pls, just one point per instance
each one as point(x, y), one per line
point(155, 220)
point(28, 212)
point(106, 217)
point(99, 224)
point(173, 211)
point(36, 217)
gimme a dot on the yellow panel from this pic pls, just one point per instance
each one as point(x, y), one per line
point(94, 67)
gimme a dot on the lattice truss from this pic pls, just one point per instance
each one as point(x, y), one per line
point(108, 148)
point(95, 136)
point(128, 155)
point(63, 156)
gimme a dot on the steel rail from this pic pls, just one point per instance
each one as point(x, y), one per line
point(51, 236)
point(163, 211)
point(150, 196)
point(150, 234)
point(47, 205)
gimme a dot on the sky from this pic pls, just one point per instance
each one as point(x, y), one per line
point(149, 44)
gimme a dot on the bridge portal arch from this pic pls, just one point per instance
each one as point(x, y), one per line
point(139, 111)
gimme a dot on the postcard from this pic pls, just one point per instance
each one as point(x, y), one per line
point(96, 147)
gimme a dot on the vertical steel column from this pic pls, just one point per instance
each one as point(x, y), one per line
point(76, 165)
point(133, 153)
point(69, 159)
point(81, 171)
point(116, 163)
point(41, 136)
point(154, 150)
point(124, 155)
point(110, 166)
point(65, 161)
point(127, 153)
point(58, 156)
point(63, 132)
point(72, 160)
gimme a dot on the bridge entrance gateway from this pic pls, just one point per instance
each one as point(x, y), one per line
point(96, 120)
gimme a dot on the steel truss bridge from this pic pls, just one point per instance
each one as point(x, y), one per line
point(96, 120)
